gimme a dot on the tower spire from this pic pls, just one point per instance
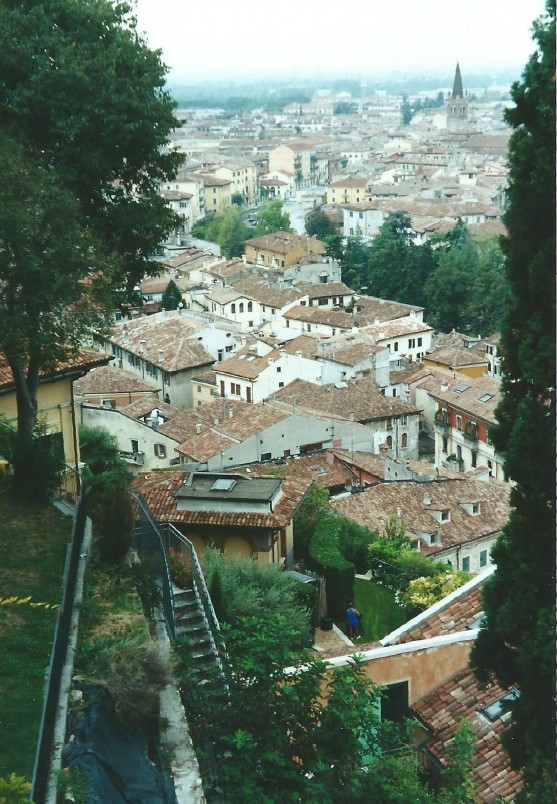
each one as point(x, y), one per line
point(457, 86)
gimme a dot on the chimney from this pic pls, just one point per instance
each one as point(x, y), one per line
point(198, 428)
point(161, 355)
point(230, 412)
point(215, 420)
point(444, 386)
point(142, 347)
point(427, 499)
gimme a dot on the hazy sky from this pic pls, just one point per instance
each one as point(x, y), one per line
point(238, 38)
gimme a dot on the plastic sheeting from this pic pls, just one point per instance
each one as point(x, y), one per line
point(122, 765)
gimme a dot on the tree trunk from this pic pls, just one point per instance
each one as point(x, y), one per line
point(26, 388)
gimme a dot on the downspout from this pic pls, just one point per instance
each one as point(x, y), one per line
point(75, 438)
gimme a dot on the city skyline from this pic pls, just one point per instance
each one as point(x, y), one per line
point(293, 40)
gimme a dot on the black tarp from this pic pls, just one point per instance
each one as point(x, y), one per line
point(123, 766)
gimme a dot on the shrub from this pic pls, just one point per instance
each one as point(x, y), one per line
point(354, 543)
point(180, 569)
point(424, 592)
point(113, 521)
point(14, 790)
point(395, 567)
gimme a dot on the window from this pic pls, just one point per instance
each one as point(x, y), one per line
point(395, 346)
point(445, 515)
point(466, 564)
point(404, 440)
point(411, 343)
point(458, 422)
point(265, 456)
point(404, 419)
point(235, 388)
point(250, 307)
point(500, 707)
point(232, 308)
point(160, 450)
point(241, 307)
point(419, 341)
point(228, 348)
point(389, 441)
point(220, 355)
point(474, 459)
point(281, 385)
point(445, 446)
point(110, 404)
point(483, 558)
point(135, 445)
point(279, 369)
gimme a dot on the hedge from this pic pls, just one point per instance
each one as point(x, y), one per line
point(326, 558)
point(395, 567)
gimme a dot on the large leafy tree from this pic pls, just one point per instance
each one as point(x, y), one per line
point(271, 217)
point(517, 642)
point(84, 98)
point(397, 268)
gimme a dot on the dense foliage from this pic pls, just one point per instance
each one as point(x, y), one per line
point(517, 642)
point(84, 121)
point(294, 730)
point(229, 230)
point(241, 588)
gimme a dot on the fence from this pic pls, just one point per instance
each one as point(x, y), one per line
point(151, 547)
point(46, 740)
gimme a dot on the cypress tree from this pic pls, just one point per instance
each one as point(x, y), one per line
point(517, 641)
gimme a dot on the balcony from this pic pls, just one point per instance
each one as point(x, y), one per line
point(135, 458)
point(470, 434)
point(442, 421)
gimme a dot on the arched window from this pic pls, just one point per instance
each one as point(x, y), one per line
point(389, 441)
point(404, 440)
point(250, 307)
point(232, 308)
point(241, 307)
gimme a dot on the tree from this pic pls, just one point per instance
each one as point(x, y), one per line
point(354, 259)
point(228, 230)
point(171, 297)
point(85, 119)
point(50, 298)
point(516, 641)
point(295, 730)
point(272, 218)
point(237, 199)
point(320, 225)
point(313, 506)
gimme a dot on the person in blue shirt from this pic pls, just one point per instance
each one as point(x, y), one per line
point(352, 621)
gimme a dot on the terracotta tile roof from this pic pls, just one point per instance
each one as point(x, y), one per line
point(158, 489)
point(321, 315)
point(284, 242)
point(360, 398)
point(350, 181)
point(376, 465)
point(108, 379)
point(351, 355)
point(324, 291)
point(306, 344)
point(266, 294)
point(465, 393)
point(238, 422)
point(170, 341)
point(396, 329)
point(452, 352)
point(321, 467)
point(372, 308)
point(248, 365)
point(459, 616)
point(408, 499)
point(84, 360)
point(462, 696)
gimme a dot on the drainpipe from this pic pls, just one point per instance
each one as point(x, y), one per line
point(75, 438)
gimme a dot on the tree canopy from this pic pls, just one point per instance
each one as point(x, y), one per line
point(84, 121)
point(517, 641)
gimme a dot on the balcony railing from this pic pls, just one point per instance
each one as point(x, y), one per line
point(442, 420)
point(470, 433)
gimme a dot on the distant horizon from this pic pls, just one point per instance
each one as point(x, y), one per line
point(307, 39)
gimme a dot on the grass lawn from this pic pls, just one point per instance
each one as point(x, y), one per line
point(380, 613)
point(33, 541)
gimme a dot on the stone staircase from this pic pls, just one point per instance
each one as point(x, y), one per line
point(192, 623)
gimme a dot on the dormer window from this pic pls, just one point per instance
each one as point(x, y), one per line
point(445, 515)
point(500, 707)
